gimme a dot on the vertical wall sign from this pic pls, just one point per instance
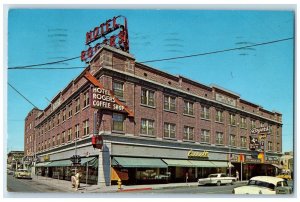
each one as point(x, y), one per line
point(113, 32)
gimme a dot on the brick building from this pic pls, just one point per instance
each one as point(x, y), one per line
point(180, 127)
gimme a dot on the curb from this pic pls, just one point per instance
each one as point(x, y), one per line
point(135, 189)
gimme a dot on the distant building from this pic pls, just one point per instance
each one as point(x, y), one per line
point(180, 127)
point(286, 162)
point(14, 159)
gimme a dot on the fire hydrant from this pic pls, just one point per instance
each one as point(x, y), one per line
point(119, 184)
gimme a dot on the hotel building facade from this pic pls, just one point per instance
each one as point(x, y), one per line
point(180, 128)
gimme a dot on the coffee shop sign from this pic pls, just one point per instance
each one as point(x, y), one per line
point(102, 98)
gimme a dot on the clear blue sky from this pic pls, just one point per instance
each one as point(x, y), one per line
point(262, 75)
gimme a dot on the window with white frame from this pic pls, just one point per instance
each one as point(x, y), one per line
point(69, 134)
point(169, 103)
point(270, 146)
point(219, 138)
point(243, 122)
point(232, 119)
point(118, 89)
point(188, 108)
point(205, 136)
point(147, 127)
point(188, 133)
point(205, 112)
point(118, 122)
point(219, 115)
point(169, 130)
point(77, 107)
point(53, 141)
point(253, 125)
point(64, 115)
point(86, 99)
point(147, 97)
point(232, 141)
point(86, 129)
point(77, 131)
point(58, 139)
point(70, 110)
point(243, 142)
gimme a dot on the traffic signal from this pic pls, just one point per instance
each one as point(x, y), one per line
point(76, 159)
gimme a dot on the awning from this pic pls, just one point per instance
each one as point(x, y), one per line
point(60, 163)
point(128, 162)
point(202, 164)
point(42, 164)
point(219, 164)
point(86, 160)
point(178, 162)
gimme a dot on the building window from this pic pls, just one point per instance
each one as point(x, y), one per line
point(169, 103)
point(278, 147)
point(77, 131)
point(58, 118)
point(188, 108)
point(205, 112)
point(70, 134)
point(262, 124)
point(58, 139)
point(188, 133)
point(64, 115)
point(253, 124)
point(147, 97)
point(70, 111)
point(232, 141)
point(232, 119)
point(77, 108)
point(49, 143)
point(63, 136)
point(169, 130)
point(86, 129)
point(147, 127)
point(219, 116)
point(270, 148)
point(205, 136)
point(118, 89)
point(53, 141)
point(86, 99)
point(243, 122)
point(219, 138)
point(243, 142)
point(118, 122)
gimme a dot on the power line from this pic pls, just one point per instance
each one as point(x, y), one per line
point(219, 51)
point(155, 60)
point(22, 95)
point(43, 64)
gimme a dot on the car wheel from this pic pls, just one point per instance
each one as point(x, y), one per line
point(219, 183)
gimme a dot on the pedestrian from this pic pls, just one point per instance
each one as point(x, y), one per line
point(237, 175)
point(75, 180)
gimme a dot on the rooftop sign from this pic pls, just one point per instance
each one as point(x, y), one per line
point(113, 32)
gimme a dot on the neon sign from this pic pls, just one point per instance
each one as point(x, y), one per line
point(113, 33)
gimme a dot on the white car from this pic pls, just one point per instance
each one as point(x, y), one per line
point(264, 185)
point(217, 179)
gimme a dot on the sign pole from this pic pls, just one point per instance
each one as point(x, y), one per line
point(241, 170)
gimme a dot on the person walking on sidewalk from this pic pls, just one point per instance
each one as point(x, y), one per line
point(237, 175)
point(76, 180)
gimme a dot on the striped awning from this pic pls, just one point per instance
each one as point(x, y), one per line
point(60, 163)
point(178, 162)
point(42, 164)
point(220, 164)
point(128, 162)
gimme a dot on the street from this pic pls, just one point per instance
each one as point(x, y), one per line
point(224, 189)
point(27, 185)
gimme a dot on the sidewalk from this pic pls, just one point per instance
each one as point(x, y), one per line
point(65, 186)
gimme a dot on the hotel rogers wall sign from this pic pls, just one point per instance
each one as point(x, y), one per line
point(102, 99)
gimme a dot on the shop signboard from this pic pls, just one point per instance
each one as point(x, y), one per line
point(103, 99)
point(197, 155)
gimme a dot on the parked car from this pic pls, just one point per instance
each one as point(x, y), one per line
point(10, 172)
point(217, 179)
point(22, 173)
point(264, 185)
